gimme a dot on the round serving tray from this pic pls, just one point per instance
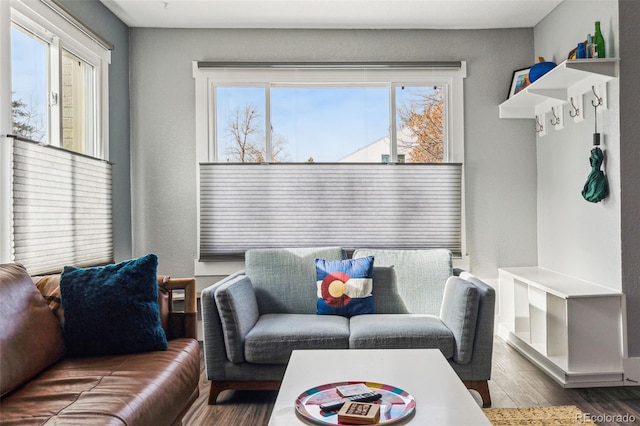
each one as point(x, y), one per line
point(395, 404)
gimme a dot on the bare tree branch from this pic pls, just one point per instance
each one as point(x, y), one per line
point(248, 142)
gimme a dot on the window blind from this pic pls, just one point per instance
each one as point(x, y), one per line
point(61, 207)
point(245, 206)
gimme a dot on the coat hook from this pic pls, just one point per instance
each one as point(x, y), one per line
point(598, 98)
point(555, 120)
point(539, 126)
point(575, 111)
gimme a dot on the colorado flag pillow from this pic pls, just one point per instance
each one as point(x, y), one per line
point(344, 286)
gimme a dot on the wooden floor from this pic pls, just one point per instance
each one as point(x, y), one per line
point(515, 383)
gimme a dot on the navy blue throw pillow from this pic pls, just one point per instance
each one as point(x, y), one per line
point(112, 309)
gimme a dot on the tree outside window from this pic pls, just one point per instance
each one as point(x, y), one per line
point(329, 124)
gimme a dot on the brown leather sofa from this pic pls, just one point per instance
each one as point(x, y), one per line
point(39, 385)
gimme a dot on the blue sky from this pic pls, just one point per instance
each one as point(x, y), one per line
point(28, 76)
point(324, 123)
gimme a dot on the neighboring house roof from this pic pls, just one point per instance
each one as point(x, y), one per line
point(374, 151)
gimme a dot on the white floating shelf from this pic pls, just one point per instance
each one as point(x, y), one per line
point(553, 88)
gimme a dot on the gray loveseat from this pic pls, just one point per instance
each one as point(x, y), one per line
point(254, 318)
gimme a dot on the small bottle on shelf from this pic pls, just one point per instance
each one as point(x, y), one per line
point(581, 53)
point(599, 42)
point(590, 47)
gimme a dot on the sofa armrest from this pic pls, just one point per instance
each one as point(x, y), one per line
point(459, 312)
point(214, 339)
point(238, 310)
point(483, 344)
point(178, 324)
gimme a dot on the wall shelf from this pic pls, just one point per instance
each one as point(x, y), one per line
point(564, 84)
point(571, 329)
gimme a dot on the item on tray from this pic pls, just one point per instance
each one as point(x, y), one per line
point(354, 389)
point(336, 404)
point(395, 403)
point(359, 413)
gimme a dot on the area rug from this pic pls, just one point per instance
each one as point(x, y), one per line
point(538, 416)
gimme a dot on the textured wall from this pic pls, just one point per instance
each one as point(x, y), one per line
point(500, 154)
point(576, 237)
point(100, 19)
point(629, 161)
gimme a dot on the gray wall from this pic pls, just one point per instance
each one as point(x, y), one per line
point(597, 242)
point(100, 19)
point(501, 173)
point(575, 237)
point(629, 161)
point(499, 154)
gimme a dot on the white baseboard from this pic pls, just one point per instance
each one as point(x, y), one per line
point(631, 371)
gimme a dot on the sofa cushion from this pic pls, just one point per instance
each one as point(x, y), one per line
point(30, 335)
point(49, 287)
point(112, 309)
point(275, 335)
point(416, 279)
point(152, 388)
point(344, 286)
point(400, 331)
point(460, 313)
point(238, 310)
point(285, 279)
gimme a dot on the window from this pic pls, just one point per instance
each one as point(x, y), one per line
point(57, 80)
point(29, 79)
point(420, 120)
point(55, 182)
point(329, 113)
point(240, 118)
point(78, 106)
point(329, 123)
point(347, 155)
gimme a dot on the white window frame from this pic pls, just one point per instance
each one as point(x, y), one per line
point(47, 17)
point(43, 21)
point(207, 77)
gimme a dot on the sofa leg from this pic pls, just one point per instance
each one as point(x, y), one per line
point(214, 391)
point(482, 387)
point(218, 386)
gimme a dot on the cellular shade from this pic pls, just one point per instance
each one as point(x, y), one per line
point(245, 206)
point(61, 208)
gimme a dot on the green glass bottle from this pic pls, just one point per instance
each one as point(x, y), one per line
point(599, 41)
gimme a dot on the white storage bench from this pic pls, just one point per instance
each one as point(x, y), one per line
point(570, 328)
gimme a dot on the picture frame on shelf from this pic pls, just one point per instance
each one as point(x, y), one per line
point(519, 81)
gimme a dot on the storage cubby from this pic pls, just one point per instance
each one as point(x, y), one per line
point(570, 328)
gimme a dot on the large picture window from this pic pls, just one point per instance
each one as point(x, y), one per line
point(303, 113)
point(322, 134)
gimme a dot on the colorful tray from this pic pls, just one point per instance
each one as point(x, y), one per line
point(395, 404)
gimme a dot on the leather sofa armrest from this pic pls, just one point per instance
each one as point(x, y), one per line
point(178, 324)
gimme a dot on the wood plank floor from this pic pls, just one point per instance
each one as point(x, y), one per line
point(515, 383)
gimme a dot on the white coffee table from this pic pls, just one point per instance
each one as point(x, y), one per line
point(441, 397)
